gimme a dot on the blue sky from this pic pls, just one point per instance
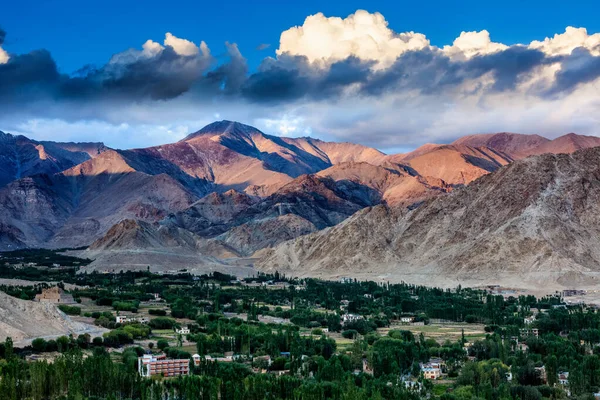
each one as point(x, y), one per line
point(80, 32)
point(390, 96)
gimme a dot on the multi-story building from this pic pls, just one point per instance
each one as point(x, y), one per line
point(150, 365)
point(433, 369)
point(431, 372)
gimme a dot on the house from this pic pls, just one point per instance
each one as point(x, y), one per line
point(433, 369)
point(349, 318)
point(411, 384)
point(542, 373)
point(522, 347)
point(344, 304)
point(54, 295)
point(219, 359)
point(563, 378)
point(123, 319)
point(431, 373)
point(365, 367)
point(437, 363)
point(407, 319)
point(529, 332)
point(266, 358)
point(529, 320)
point(151, 365)
point(573, 292)
point(183, 331)
point(196, 358)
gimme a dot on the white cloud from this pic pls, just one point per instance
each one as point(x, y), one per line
point(183, 47)
point(151, 48)
point(469, 44)
point(3, 56)
point(123, 135)
point(285, 125)
point(565, 43)
point(459, 102)
point(363, 35)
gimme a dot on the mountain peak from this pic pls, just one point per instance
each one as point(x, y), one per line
point(225, 128)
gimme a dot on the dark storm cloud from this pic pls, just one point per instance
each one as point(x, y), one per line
point(135, 76)
point(579, 67)
point(28, 76)
point(34, 76)
point(431, 71)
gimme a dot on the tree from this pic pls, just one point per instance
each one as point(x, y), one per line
point(8, 348)
point(38, 345)
point(162, 344)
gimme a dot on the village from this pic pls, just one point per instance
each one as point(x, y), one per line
point(175, 325)
point(157, 363)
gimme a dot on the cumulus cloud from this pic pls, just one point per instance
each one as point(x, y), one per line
point(3, 53)
point(469, 44)
point(565, 43)
point(352, 78)
point(363, 35)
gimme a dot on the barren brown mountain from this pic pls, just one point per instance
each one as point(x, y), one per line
point(21, 157)
point(228, 191)
point(533, 222)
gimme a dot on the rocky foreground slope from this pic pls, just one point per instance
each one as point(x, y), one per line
point(22, 320)
point(533, 222)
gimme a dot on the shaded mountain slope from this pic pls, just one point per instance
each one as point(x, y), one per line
point(22, 157)
point(535, 221)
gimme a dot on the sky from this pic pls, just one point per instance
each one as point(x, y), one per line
point(392, 75)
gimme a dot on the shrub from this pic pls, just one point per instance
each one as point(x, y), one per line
point(162, 344)
point(38, 345)
point(159, 312)
point(350, 333)
point(69, 310)
point(125, 306)
point(162, 323)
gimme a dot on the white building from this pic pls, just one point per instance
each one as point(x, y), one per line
point(123, 319)
point(348, 318)
point(431, 373)
point(563, 378)
point(407, 319)
point(183, 331)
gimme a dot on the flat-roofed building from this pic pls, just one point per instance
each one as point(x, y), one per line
point(54, 295)
point(150, 365)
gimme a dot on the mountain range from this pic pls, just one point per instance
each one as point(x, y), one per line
point(485, 207)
